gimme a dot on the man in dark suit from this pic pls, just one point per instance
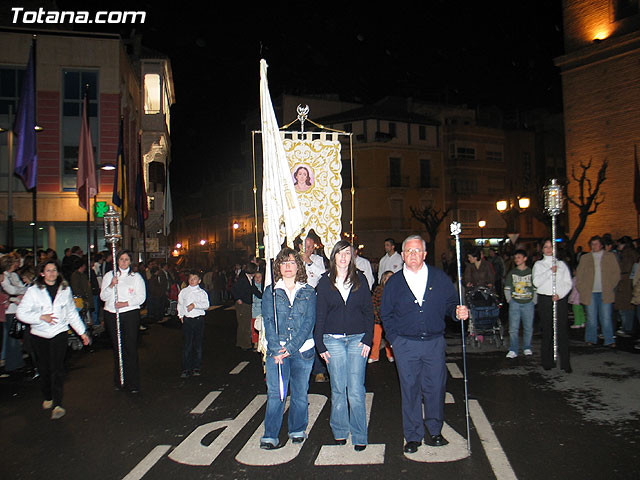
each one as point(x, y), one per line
point(414, 304)
point(243, 294)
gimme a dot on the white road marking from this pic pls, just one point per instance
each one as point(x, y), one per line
point(497, 458)
point(448, 398)
point(147, 462)
point(191, 451)
point(238, 368)
point(252, 454)
point(454, 370)
point(206, 401)
point(346, 455)
point(455, 450)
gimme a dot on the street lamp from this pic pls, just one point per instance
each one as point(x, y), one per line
point(511, 208)
point(482, 224)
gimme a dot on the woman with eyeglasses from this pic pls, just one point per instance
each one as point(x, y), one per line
point(343, 335)
point(290, 347)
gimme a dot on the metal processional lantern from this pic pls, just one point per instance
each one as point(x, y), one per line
point(112, 235)
point(553, 205)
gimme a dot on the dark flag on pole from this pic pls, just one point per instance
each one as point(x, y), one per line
point(141, 194)
point(87, 185)
point(119, 197)
point(24, 127)
point(636, 180)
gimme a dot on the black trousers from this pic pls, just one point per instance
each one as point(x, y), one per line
point(545, 310)
point(50, 353)
point(129, 328)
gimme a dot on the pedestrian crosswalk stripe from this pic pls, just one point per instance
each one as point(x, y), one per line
point(206, 401)
point(147, 462)
point(238, 368)
point(497, 458)
point(454, 371)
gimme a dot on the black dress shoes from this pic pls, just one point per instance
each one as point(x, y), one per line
point(411, 447)
point(342, 441)
point(297, 439)
point(435, 440)
point(359, 448)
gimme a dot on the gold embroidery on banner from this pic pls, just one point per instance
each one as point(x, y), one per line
point(321, 202)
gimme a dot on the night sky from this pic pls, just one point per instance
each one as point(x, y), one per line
point(473, 52)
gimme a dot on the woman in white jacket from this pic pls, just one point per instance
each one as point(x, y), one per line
point(543, 281)
point(131, 295)
point(49, 308)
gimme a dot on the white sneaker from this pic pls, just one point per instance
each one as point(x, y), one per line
point(57, 412)
point(512, 354)
point(527, 351)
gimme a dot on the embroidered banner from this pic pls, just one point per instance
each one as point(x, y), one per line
point(316, 173)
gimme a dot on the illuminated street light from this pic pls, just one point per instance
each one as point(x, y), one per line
point(203, 242)
point(178, 245)
point(482, 224)
point(236, 225)
point(511, 208)
point(524, 202)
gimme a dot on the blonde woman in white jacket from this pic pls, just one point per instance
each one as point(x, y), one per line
point(131, 295)
point(49, 308)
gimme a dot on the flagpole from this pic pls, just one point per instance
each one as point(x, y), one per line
point(34, 195)
point(10, 183)
point(86, 181)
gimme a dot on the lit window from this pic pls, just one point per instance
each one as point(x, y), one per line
point(152, 93)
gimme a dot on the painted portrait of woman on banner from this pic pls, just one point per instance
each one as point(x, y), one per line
point(303, 178)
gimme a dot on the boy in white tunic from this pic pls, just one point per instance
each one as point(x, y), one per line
point(193, 302)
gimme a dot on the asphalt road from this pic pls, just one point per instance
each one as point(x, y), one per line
point(525, 423)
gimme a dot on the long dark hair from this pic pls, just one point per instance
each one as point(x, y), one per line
point(308, 182)
point(352, 273)
point(283, 256)
point(40, 273)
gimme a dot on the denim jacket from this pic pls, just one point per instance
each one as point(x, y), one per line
point(295, 322)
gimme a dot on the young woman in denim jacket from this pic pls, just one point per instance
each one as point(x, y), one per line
point(291, 348)
point(344, 334)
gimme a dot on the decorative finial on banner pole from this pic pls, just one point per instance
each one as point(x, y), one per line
point(303, 113)
point(553, 205)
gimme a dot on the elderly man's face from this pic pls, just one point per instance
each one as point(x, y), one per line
point(414, 254)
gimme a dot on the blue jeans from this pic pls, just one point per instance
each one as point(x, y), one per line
point(627, 317)
point(520, 312)
point(11, 347)
point(295, 376)
point(346, 371)
point(598, 310)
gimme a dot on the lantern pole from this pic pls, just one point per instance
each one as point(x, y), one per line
point(553, 205)
point(113, 234)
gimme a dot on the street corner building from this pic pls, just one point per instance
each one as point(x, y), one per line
point(129, 91)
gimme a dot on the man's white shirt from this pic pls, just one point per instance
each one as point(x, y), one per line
point(393, 263)
point(315, 269)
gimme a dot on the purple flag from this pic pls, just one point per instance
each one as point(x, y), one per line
point(24, 127)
